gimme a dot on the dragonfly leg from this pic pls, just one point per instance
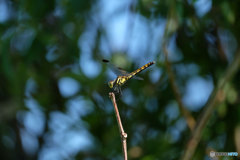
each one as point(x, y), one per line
point(120, 91)
point(117, 90)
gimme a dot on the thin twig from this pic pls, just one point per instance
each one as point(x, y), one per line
point(167, 33)
point(215, 98)
point(189, 118)
point(121, 130)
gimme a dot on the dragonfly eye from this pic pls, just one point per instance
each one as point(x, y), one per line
point(110, 84)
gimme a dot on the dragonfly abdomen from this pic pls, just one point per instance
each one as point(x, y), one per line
point(140, 69)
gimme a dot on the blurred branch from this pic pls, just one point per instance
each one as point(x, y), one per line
point(189, 118)
point(19, 151)
point(121, 130)
point(169, 30)
point(8, 110)
point(216, 97)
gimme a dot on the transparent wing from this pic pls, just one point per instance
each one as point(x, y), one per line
point(138, 78)
point(119, 71)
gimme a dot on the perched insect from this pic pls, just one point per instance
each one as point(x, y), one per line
point(123, 76)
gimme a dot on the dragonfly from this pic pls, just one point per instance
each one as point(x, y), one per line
point(123, 76)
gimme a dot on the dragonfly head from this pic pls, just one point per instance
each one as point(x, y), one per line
point(110, 84)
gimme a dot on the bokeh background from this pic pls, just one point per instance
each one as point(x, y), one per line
point(54, 102)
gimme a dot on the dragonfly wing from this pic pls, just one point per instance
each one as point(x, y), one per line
point(117, 70)
point(122, 72)
point(138, 78)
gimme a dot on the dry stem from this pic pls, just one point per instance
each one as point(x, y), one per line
point(214, 100)
point(121, 130)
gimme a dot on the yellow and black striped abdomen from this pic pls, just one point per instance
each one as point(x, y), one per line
point(140, 69)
